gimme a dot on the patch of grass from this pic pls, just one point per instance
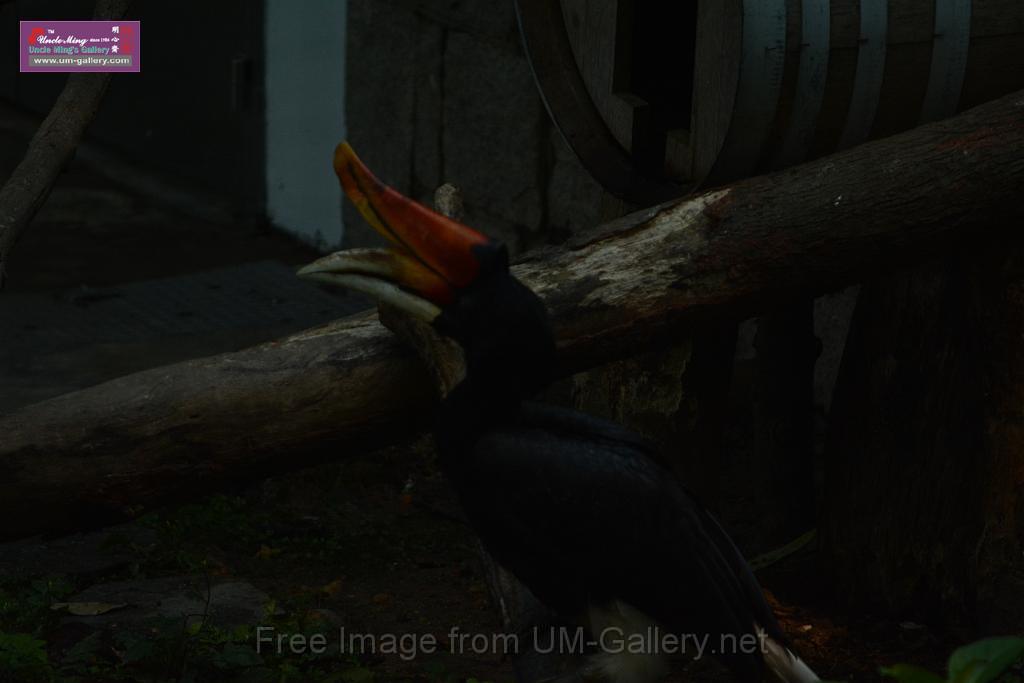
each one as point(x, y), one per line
point(172, 650)
point(168, 650)
point(304, 546)
point(186, 535)
point(25, 604)
point(23, 658)
point(25, 619)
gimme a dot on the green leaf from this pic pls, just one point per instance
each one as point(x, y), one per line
point(908, 673)
point(241, 633)
point(87, 609)
point(985, 660)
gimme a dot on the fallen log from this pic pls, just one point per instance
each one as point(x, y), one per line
point(174, 432)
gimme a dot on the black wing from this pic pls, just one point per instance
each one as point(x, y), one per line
point(579, 511)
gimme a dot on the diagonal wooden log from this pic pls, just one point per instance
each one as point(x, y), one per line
point(332, 392)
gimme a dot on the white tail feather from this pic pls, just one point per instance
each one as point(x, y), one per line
point(786, 666)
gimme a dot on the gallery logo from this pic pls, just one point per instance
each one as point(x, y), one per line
point(70, 46)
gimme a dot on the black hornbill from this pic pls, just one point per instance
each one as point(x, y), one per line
point(579, 509)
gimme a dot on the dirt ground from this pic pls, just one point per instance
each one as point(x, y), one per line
point(374, 546)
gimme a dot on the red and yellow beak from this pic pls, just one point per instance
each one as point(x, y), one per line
point(431, 256)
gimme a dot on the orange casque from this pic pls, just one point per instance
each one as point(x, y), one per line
point(433, 253)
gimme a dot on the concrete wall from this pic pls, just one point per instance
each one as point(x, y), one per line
point(430, 91)
point(305, 104)
point(440, 91)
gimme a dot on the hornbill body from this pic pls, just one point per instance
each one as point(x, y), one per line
point(579, 509)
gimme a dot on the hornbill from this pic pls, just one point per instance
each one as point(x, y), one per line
point(579, 509)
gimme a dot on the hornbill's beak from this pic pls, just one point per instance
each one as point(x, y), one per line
point(431, 256)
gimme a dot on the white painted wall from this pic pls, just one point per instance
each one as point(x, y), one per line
point(305, 101)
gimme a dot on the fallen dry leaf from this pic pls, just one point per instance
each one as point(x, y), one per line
point(87, 609)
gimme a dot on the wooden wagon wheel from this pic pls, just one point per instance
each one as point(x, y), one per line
point(572, 109)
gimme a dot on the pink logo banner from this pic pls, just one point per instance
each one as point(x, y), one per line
point(76, 46)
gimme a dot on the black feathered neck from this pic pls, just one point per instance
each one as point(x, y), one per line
point(503, 329)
